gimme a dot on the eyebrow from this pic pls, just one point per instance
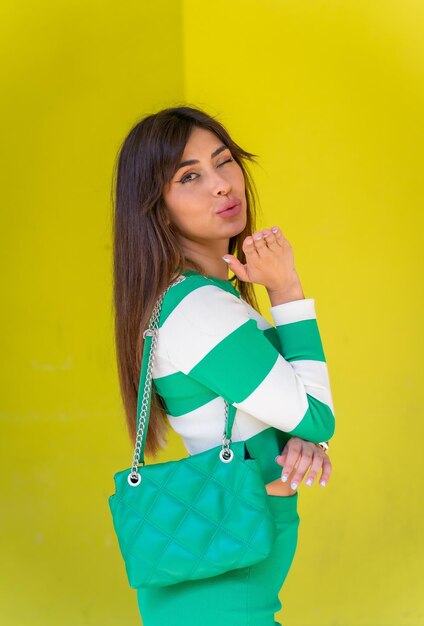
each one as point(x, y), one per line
point(193, 161)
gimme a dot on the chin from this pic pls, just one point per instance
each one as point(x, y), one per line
point(239, 226)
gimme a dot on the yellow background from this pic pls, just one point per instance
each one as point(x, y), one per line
point(330, 96)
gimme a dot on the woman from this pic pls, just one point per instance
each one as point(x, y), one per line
point(185, 206)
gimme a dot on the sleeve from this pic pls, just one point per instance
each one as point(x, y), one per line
point(210, 337)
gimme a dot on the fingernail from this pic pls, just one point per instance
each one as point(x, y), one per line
point(323, 483)
point(276, 458)
point(274, 230)
point(257, 237)
point(284, 477)
point(226, 260)
point(309, 481)
point(293, 485)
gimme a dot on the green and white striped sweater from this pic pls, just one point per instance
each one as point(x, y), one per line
point(213, 345)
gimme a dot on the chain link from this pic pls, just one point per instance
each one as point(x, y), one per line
point(134, 477)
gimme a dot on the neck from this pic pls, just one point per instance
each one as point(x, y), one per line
point(208, 258)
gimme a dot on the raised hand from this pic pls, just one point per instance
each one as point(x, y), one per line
point(269, 260)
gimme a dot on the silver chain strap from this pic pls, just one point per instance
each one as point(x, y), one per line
point(226, 454)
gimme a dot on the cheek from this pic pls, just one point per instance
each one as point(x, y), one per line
point(240, 178)
point(187, 208)
point(187, 201)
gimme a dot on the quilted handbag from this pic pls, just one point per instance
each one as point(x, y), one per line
point(193, 518)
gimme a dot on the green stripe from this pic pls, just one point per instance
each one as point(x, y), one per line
point(225, 284)
point(183, 394)
point(230, 363)
point(301, 340)
point(318, 422)
point(273, 338)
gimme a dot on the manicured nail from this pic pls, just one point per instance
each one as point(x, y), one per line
point(226, 260)
point(293, 485)
point(276, 458)
point(284, 477)
point(323, 483)
point(274, 230)
point(309, 481)
point(257, 237)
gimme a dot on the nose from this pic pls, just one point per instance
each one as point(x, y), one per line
point(220, 185)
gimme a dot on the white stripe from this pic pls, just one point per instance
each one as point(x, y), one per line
point(162, 367)
point(262, 323)
point(280, 399)
point(315, 377)
point(214, 314)
point(294, 311)
point(203, 428)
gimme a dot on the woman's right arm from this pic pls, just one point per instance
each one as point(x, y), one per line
point(210, 337)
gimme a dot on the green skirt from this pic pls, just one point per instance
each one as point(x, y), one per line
point(244, 597)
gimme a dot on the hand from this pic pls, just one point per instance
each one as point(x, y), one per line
point(304, 453)
point(269, 261)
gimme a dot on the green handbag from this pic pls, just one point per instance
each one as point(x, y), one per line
point(193, 518)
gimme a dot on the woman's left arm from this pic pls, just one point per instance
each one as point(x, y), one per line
point(304, 454)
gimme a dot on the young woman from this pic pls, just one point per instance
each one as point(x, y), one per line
point(185, 206)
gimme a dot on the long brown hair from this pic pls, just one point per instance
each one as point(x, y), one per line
point(146, 250)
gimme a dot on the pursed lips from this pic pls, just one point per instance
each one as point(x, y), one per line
point(229, 204)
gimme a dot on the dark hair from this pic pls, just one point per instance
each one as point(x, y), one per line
point(147, 254)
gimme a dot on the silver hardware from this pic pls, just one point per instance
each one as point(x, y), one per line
point(134, 479)
point(226, 454)
point(149, 331)
point(152, 331)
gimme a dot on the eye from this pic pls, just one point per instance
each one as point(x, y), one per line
point(186, 179)
point(229, 161)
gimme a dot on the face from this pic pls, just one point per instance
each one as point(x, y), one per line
point(198, 190)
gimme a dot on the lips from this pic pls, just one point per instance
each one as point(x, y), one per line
point(228, 204)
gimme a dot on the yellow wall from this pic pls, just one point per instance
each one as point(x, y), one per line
point(330, 95)
point(77, 76)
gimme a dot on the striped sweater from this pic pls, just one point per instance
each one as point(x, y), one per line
point(212, 345)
